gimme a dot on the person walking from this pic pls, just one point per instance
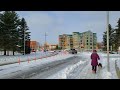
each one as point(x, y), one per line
point(94, 60)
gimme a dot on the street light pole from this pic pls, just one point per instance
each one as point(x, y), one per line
point(45, 40)
point(108, 40)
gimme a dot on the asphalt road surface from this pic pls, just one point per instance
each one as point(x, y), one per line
point(43, 71)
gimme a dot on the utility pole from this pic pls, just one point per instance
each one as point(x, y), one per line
point(108, 40)
point(45, 41)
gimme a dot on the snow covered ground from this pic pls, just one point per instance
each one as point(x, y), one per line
point(18, 57)
point(82, 70)
point(79, 70)
point(8, 71)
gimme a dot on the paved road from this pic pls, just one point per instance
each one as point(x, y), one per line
point(43, 71)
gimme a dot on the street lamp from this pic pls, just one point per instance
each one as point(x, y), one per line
point(108, 40)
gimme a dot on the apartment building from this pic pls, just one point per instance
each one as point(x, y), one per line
point(76, 40)
point(80, 41)
point(69, 42)
point(89, 40)
point(65, 41)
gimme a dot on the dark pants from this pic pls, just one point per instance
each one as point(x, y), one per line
point(94, 68)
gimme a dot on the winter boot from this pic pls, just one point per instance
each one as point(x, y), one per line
point(93, 71)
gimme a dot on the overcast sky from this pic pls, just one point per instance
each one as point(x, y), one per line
point(56, 23)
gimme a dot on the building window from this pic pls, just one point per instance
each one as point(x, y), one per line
point(90, 43)
point(87, 43)
point(90, 40)
point(87, 40)
point(90, 47)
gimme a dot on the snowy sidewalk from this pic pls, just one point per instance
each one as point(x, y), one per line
point(101, 73)
point(86, 73)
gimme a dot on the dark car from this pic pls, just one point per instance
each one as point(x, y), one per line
point(73, 51)
point(112, 52)
point(33, 50)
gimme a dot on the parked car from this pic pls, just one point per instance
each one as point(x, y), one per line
point(73, 51)
point(111, 52)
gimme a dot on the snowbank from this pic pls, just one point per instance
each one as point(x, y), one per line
point(118, 62)
point(7, 70)
point(4, 60)
point(63, 74)
point(117, 66)
point(105, 74)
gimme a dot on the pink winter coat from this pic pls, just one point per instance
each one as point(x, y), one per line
point(94, 59)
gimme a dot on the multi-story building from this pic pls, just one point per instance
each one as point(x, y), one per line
point(80, 41)
point(76, 40)
point(69, 42)
point(89, 40)
point(62, 40)
point(65, 41)
point(94, 40)
point(34, 45)
point(52, 47)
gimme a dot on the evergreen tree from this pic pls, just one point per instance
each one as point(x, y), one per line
point(9, 34)
point(0, 33)
point(23, 32)
point(117, 36)
point(12, 32)
point(111, 38)
point(105, 41)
